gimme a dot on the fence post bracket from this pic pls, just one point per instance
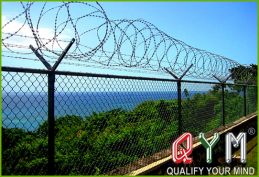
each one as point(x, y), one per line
point(223, 84)
point(46, 64)
point(179, 96)
point(51, 104)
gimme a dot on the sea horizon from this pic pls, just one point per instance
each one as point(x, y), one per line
point(28, 110)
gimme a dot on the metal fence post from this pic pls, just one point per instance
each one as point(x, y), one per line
point(51, 123)
point(223, 103)
point(51, 101)
point(179, 98)
point(223, 85)
point(245, 111)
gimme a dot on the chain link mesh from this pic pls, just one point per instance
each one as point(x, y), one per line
point(24, 105)
point(120, 121)
point(105, 123)
point(234, 103)
point(201, 107)
point(251, 99)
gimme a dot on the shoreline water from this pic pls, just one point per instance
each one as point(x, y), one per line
point(28, 110)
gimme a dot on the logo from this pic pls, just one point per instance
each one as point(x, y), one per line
point(182, 147)
point(180, 154)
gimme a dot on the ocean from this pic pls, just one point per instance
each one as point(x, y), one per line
point(28, 110)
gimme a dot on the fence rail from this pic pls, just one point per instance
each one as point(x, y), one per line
point(57, 122)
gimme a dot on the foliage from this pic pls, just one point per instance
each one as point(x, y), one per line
point(245, 74)
point(106, 140)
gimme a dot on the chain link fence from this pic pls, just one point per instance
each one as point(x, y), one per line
point(111, 122)
point(103, 123)
point(201, 110)
point(24, 109)
point(234, 103)
point(251, 101)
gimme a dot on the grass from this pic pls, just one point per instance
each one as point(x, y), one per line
point(252, 158)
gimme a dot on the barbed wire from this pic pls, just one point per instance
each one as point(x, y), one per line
point(102, 42)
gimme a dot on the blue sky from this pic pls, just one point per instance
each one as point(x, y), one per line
point(227, 29)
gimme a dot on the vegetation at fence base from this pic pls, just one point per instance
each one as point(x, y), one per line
point(107, 140)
